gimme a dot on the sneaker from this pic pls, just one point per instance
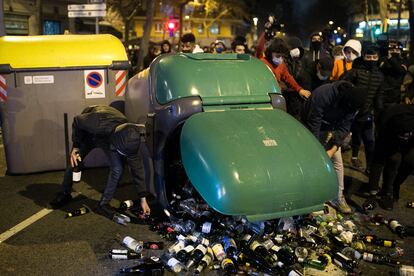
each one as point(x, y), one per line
point(370, 203)
point(342, 206)
point(105, 210)
point(386, 202)
point(60, 200)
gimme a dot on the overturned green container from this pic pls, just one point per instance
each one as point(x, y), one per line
point(219, 116)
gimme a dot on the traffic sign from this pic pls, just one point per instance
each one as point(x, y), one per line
point(72, 14)
point(87, 7)
point(94, 84)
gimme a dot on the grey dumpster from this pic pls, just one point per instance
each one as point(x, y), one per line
point(44, 77)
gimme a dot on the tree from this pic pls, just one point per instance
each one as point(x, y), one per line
point(123, 11)
point(147, 29)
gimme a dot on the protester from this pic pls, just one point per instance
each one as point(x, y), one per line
point(165, 47)
point(365, 74)
point(188, 44)
point(153, 52)
point(106, 128)
point(328, 114)
point(337, 52)
point(394, 69)
point(239, 45)
point(408, 86)
point(394, 155)
point(351, 51)
point(219, 47)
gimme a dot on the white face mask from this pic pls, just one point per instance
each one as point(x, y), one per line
point(277, 61)
point(351, 56)
point(321, 77)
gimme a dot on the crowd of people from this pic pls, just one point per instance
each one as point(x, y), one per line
point(347, 96)
point(360, 91)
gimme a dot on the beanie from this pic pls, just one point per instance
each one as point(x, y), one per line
point(352, 97)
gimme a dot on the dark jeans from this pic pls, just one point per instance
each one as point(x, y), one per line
point(116, 162)
point(397, 168)
point(363, 131)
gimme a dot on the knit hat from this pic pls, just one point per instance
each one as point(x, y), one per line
point(127, 138)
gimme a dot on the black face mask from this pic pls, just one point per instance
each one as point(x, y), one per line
point(395, 55)
point(316, 45)
point(371, 63)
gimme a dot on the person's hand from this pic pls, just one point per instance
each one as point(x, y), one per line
point(74, 157)
point(331, 151)
point(144, 205)
point(304, 93)
point(407, 100)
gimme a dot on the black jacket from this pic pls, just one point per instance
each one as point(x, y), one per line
point(323, 113)
point(394, 72)
point(371, 79)
point(94, 126)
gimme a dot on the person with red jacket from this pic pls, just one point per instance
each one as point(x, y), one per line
point(273, 58)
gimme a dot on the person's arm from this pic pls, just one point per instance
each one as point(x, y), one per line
point(317, 104)
point(260, 46)
point(136, 167)
point(343, 129)
point(287, 78)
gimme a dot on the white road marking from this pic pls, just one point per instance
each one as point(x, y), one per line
point(22, 225)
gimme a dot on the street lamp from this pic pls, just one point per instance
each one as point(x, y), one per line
point(330, 22)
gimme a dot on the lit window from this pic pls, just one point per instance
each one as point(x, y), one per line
point(215, 29)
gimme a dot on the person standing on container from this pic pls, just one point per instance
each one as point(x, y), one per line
point(329, 114)
point(106, 128)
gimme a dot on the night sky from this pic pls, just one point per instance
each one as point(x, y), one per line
point(303, 17)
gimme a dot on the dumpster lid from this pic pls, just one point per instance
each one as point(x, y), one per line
point(212, 76)
point(262, 164)
point(51, 51)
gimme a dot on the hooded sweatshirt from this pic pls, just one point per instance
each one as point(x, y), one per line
point(343, 65)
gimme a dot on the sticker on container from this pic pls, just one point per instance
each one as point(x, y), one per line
point(94, 84)
point(43, 79)
point(269, 143)
point(28, 80)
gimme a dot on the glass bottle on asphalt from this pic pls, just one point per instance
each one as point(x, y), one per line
point(196, 256)
point(78, 212)
point(184, 254)
point(397, 227)
point(149, 266)
point(205, 261)
point(172, 263)
point(124, 254)
point(133, 244)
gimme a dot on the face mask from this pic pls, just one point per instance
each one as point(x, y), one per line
point(277, 61)
point(219, 50)
point(395, 55)
point(295, 53)
point(321, 77)
point(316, 45)
point(351, 56)
point(371, 63)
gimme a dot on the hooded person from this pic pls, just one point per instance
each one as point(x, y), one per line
point(350, 51)
point(329, 114)
point(316, 51)
point(106, 128)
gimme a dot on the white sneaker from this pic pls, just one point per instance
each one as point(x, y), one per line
point(342, 206)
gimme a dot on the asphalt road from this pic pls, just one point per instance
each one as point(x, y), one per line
point(54, 245)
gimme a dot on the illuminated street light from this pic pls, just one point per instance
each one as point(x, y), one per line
point(335, 31)
point(330, 22)
point(339, 28)
point(187, 17)
point(255, 20)
point(344, 35)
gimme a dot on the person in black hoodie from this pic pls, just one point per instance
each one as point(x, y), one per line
point(328, 114)
point(365, 74)
point(106, 128)
point(394, 155)
point(394, 68)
